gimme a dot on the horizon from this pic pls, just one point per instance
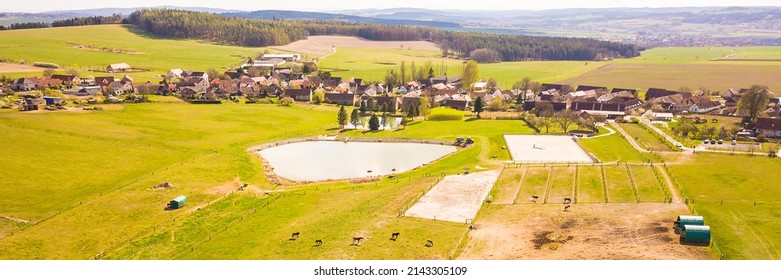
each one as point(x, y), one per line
point(343, 5)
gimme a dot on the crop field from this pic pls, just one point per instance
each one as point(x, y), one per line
point(612, 148)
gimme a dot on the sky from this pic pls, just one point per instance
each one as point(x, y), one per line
point(332, 5)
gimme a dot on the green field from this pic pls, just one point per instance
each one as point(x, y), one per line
point(535, 183)
point(590, 185)
point(611, 148)
point(673, 68)
point(644, 138)
point(506, 186)
point(649, 189)
point(561, 185)
point(619, 187)
point(157, 55)
point(723, 189)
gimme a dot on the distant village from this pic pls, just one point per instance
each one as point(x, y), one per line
point(281, 76)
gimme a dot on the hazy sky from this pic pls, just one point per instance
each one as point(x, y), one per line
point(330, 5)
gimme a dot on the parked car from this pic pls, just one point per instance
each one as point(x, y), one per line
point(734, 142)
point(706, 141)
point(713, 141)
point(721, 142)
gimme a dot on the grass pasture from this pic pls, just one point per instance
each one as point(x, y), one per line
point(507, 186)
point(644, 138)
point(534, 183)
point(590, 185)
point(724, 189)
point(611, 148)
point(142, 51)
point(561, 185)
point(619, 186)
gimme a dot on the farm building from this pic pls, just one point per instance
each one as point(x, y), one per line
point(346, 99)
point(696, 234)
point(177, 202)
point(770, 127)
point(52, 100)
point(304, 95)
point(118, 67)
point(286, 57)
point(688, 220)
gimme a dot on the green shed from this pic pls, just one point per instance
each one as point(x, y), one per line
point(177, 202)
point(696, 234)
point(687, 220)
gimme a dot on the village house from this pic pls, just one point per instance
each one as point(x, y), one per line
point(609, 110)
point(24, 84)
point(701, 104)
point(285, 57)
point(411, 99)
point(302, 95)
point(175, 73)
point(770, 127)
point(70, 80)
point(346, 99)
point(118, 88)
point(118, 67)
point(103, 81)
point(45, 83)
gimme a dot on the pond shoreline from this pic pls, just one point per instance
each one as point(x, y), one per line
point(281, 181)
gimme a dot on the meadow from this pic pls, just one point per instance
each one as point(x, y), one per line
point(141, 51)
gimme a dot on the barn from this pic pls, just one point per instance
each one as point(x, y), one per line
point(684, 220)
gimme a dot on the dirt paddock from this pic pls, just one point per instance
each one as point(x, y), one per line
point(587, 231)
point(12, 68)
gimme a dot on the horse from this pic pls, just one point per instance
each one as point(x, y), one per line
point(567, 200)
point(566, 207)
point(357, 241)
point(394, 236)
point(429, 243)
point(294, 236)
point(534, 198)
point(318, 242)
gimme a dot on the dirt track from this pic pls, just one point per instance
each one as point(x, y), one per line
point(588, 231)
point(12, 68)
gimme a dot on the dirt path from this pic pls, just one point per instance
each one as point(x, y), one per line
point(17, 220)
point(11, 68)
point(670, 185)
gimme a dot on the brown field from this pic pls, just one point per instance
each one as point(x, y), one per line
point(588, 231)
point(673, 76)
point(322, 45)
point(15, 68)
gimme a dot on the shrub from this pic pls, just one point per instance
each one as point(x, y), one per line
point(445, 114)
point(46, 65)
point(287, 101)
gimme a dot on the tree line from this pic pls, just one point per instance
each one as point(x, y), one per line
point(260, 33)
point(96, 20)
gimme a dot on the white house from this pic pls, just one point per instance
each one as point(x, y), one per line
point(286, 57)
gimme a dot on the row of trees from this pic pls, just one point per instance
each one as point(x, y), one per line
point(96, 20)
point(24, 25)
point(355, 119)
point(258, 33)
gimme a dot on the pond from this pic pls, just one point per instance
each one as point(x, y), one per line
point(337, 160)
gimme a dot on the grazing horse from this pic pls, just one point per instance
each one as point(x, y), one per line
point(394, 236)
point(534, 198)
point(294, 236)
point(567, 200)
point(429, 243)
point(566, 207)
point(318, 242)
point(357, 241)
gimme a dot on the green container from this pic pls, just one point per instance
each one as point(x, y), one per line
point(689, 220)
point(178, 202)
point(696, 234)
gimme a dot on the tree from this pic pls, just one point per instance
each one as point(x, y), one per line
point(73, 72)
point(48, 72)
point(374, 123)
point(543, 109)
point(403, 73)
point(431, 72)
point(428, 69)
point(392, 79)
point(411, 112)
point(496, 105)
point(325, 75)
point(404, 122)
point(485, 56)
point(212, 73)
point(306, 69)
point(362, 108)
point(478, 105)
point(565, 119)
point(371, 105)
point(709, 132)
point(414, 73)
point(545, 121)
point(753, 101)
point(286, 101)
point(471, 73)
point(342, 118)
point(385, 120)
point(318, 97)
point(355, 118)
point(424, 109)
point(523, 84)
